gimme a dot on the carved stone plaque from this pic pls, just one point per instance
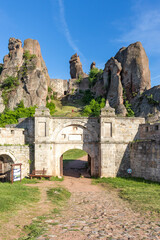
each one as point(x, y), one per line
point(75, 137)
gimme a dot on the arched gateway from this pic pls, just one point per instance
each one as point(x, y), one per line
point(57, 135)
point(104, 138)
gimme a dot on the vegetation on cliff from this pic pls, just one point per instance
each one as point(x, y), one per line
point(12, 116)
point(9, 84)
point(128, 106)
point(94, 107)
point(51, 107)
point(94, 75)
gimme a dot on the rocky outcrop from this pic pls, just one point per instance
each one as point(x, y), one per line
point(135, 69)
point(113, 84)
point(93, 65)
point(12, 61)
point(148, 104)
point(2, 106)
point(126, 75)
point(59, 87)
point(76, 67)
point(29, 67)
point(34, 48)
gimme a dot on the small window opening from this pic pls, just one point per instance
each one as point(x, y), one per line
point(156, 127)
point(12, 131)
point(65, 93)
point(64, 136)
point(146, 129)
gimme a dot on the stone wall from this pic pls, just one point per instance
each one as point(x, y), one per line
point(113, 143)
point(145, 152)
point(12, 136)
point(149, 131)
point(145, 159)
point(28, 125)
point(116, 133)
point(18, 154)
point(54, 136)
point(59, 86)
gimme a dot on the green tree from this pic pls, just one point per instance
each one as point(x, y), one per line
point(10, 82)
point(94, 75)
point(12, 116)
point(51, 107)
point(94, 108)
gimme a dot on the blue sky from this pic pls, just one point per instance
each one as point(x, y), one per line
point(95, 29)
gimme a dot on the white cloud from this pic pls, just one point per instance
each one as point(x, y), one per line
point(66, 30)
point(145, 27)
point(158, 76)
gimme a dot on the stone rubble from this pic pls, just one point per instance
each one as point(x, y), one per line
point(101, 215)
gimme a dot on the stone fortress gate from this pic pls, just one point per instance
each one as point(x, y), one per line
point(105, 139)
point(40, 142)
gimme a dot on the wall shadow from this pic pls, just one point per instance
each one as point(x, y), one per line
point(125, 162)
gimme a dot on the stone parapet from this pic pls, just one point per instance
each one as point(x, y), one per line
point(12, 136)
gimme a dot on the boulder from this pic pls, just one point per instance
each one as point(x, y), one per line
point(135, 69)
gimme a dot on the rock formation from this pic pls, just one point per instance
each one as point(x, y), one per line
point(135, 69)
point(29, 67)
point(126, 74)
point(148, 104)
point(93, 65)
point(112, 82)
point(12, 61)
point(76, 67)
point(34, 48)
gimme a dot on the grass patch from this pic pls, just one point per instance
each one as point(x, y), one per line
point(34, 230)
point(73, 154)
point(28, 181)
point(13, 196)
point(37, 180)
point(58, 195)
point(38, 226)
point(56, 211)
point(142, 194)
point(57, 179)
point(66, 110)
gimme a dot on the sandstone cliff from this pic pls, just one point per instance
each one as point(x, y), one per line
point(148, 104)
point(76, 67)
point(126, 75)
point(28, 67)
point(135, 69)
point(126, 78)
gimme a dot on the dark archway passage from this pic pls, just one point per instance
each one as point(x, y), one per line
point(5, 167)
point(76, 163)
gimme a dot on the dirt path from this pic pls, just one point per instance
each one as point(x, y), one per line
point(95, 213)
point(12, 227)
